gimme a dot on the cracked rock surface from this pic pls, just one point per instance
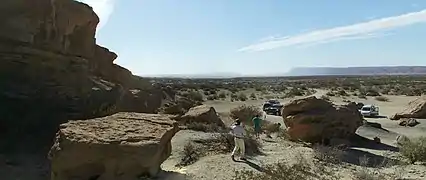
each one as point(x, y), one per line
point(120, 146)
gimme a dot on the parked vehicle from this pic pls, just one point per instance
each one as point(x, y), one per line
point(369, 110)
point(273, 107)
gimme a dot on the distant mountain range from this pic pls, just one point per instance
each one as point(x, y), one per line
point(378, 70)
point(314, 71)
point(198, 76)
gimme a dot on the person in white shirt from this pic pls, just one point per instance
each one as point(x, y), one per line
point(238, 131)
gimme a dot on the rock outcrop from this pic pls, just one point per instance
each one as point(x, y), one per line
point(316, 120)
point(201, 114)
point(52, 70)
point(411, 122)
point(415, 109)
point(123, 146)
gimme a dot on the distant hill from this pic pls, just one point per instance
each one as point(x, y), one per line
point(379, 70)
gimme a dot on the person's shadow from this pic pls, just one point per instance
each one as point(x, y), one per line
point(251, 164)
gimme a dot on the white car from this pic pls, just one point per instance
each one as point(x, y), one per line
point(369, 111)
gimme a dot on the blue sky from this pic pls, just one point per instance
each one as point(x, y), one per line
point(254, 37)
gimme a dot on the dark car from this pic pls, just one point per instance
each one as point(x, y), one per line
point(272, 107)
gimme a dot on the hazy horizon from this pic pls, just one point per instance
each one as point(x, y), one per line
point(258, 37)
point(301, 71)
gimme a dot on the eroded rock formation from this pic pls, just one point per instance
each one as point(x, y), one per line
point(316, 120)
point(415, 109)
point(123, 146)
point(52, 70)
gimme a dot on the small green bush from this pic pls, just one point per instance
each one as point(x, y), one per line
point(242, 97)
point(253, 96)
point(222, 95)
point(414, 150)
point(245, 113)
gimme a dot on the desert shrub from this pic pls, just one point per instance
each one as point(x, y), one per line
point(287, 171)
point(253, 96)
point(245, 113)
point(212, 97)
point(234, 97)
point(382, 98)
point(206, 93)
point(385, 90)
point(342, 93)
point(269, 127)
point(330, 93)
point(294, 92)
point(203, 127)
point(212, 92)
point(179, 106)
point(222, 95)
point(242, 97)
point(328, 154)
point(190, 154)
point(364, 173)
point(234, 90)
point(259, 88)
point(414, 150)
point(194, 95)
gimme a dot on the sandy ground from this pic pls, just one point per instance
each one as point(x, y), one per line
point(221, 167)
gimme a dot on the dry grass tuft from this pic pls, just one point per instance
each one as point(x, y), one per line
point(286, 171)
point(328, 154)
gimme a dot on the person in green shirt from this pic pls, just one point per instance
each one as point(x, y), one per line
point(256, 122)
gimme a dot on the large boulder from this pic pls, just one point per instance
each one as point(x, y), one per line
point(123, 146)
point(316, 120)
point(415, 109)
point(201, 114)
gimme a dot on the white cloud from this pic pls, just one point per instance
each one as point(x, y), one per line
point(365, 30)
point(103, 9)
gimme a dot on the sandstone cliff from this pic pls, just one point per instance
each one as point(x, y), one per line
point(52, 70)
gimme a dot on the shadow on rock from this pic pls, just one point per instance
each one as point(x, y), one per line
point(362, 142)
point(358, 157)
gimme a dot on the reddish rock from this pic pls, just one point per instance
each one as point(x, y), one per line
point(316, 120)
